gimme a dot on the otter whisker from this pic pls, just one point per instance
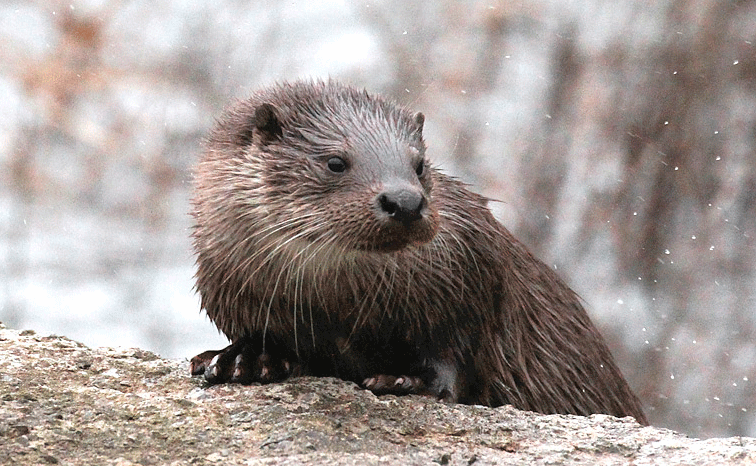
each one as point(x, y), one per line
point(270, 249)
point(260, 240)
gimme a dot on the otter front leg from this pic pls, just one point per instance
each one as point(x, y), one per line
point(437, 378)
point(242, 362)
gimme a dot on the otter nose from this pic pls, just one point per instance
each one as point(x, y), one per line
point(404, 205)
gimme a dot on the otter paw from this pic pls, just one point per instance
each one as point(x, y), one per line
point(241, 362)
point(383, 384)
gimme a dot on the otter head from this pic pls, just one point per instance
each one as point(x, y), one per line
point(342, 168)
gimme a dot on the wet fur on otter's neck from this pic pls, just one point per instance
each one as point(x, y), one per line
point(314, 264)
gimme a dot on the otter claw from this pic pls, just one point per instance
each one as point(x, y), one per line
point(388, 384)
point(199, 364)
point(241, 363)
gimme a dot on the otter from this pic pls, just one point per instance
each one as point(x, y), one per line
point(328, 245)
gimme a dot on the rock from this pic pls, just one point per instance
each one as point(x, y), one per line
point(64, 403)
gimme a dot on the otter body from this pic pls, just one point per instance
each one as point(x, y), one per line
point(327, 245)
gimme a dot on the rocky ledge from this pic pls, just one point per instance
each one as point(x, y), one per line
point(64, 403)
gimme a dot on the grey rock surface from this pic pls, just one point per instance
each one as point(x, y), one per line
point(64, 403)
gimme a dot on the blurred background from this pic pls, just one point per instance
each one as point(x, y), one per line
point(619, 139)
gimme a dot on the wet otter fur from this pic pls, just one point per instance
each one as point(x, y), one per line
point(327, 245)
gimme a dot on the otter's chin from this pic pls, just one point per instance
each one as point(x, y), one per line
point(394, 246)
point(399, 237)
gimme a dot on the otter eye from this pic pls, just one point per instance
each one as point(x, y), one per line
point(337, 164)
point(420, 169)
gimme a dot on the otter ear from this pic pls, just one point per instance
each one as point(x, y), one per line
point(419, 119)
point(267, 122)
